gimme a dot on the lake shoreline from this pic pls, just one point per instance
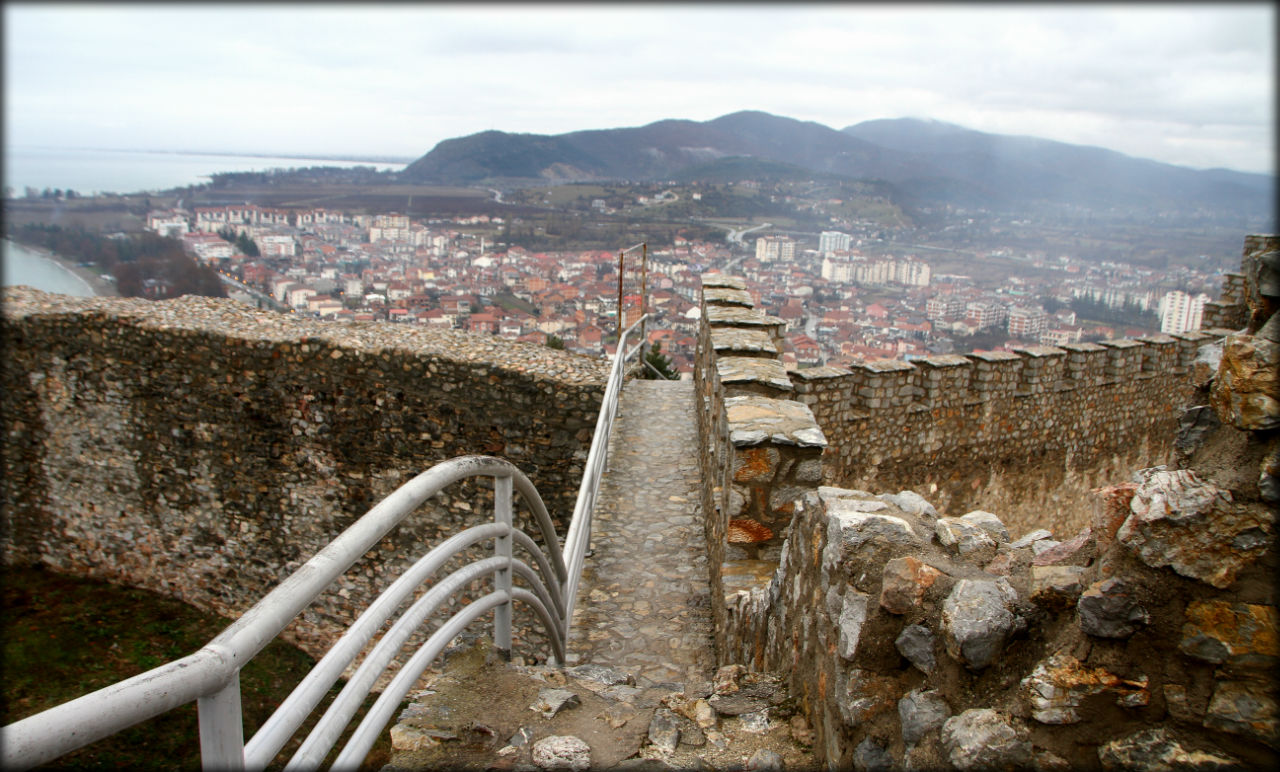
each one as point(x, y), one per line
point(100, 286)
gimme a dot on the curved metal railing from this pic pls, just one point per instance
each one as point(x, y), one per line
point(211, 676)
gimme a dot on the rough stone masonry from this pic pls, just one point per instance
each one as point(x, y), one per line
point(205, 449)
point(924, 638)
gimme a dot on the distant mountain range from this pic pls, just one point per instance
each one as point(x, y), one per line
point(925, 162)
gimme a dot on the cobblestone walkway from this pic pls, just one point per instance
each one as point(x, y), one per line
point(644, 601)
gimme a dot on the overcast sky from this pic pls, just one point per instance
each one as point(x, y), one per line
point(1189, 84)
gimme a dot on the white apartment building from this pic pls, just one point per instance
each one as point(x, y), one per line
point(169, 224)
point(1027, 323)
point(833, 241)
point(773, 248)
point(1180, 312)
point(860, 270)
point(983, 314)
point(276, 245)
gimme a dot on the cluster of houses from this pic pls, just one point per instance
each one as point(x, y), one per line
point(390, 267)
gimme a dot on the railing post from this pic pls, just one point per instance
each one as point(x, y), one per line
point(502, 488)
point(222, 728)
point(622, 324)
point(644, 297)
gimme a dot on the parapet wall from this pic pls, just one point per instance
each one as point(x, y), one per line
point(1028, 432)
point(761, 451)
point(205, 449)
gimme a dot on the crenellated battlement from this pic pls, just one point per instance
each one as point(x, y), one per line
point(1029, 430)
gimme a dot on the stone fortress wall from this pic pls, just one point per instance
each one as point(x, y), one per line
point(204, 449)
point(1028, 432)
point(926, 639)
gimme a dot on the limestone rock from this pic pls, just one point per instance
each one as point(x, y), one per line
point(1108, 610)
point(870, 756)
point(1028, 539)
point(977, 618)
point(552, 701)
point(801, 732)
point(910, 502)
point(1048, 761)
point(601, 674)
point(852, 529)
point(920, 712)
point(727, 678)
point(755, 722)
point(1076, 551)
point(1269, 477)
point(1205, 366)
point(1179, 704)
point(865, 695)
point(406, 737)
point(1245, 708)
point(1058, 685)
point(1110, 510)
point(964, 538)
point(1155, 750)
point(1056, 587)
point(765, 760)
point(915, 642)
point(904, 583)
point(738, 703)
point(982, 739)
point(1194, 426)
point(1246, 393)
point(1038, 548)
point(1005, 564)
point(853, 615)
point(1235, 634)
point(988, 522)
point(562, 752)
point(1195, 528)
point(664, 730)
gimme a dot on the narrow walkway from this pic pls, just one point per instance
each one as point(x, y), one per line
point(644, 601)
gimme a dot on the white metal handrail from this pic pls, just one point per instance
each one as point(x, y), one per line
point(578, 537)
point(211, 676)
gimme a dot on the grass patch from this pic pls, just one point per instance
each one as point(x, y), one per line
point(66, 636)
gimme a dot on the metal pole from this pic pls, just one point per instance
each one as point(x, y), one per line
point(502, 577)
point(644, 297)
point(222, 729)
point(621, 326)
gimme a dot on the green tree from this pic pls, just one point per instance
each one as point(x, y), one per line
point(659, 361)
point(555, 342)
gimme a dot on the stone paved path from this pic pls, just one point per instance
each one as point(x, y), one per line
point(644, 600)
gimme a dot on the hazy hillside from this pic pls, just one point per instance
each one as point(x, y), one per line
point(926, 163)
point(1029, 167)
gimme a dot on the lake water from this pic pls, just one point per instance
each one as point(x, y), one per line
point(131, 171)
point(23, 266)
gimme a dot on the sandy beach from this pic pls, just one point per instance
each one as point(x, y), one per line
point(101, 287)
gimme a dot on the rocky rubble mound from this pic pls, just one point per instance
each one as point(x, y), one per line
point(482, 713)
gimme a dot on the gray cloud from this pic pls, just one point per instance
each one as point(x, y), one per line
point(1190, 84)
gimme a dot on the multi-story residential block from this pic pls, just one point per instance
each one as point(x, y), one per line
point(276, 245)
point(984, 314)
point(1180, 312)
point(833, 241)
point(944, 308)
point(771, 249)
point(168, 222)
point(1027, 322)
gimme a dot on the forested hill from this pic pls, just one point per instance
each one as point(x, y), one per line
point(926, 162)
